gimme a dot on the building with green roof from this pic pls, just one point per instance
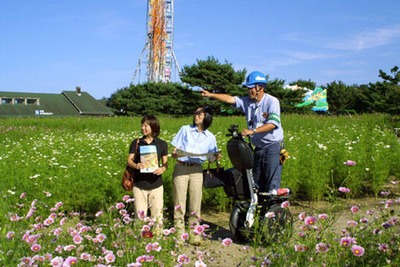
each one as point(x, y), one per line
point(68, 103)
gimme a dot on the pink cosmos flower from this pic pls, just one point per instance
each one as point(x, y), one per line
point(22, 195)
point(322, 247)
point(149, 247)
point(185, 236)
point(226, 242)
point(57, 231)
point(177, 207)
point(98, 214)
point(10, 235)
point(71, 261)
point(62, 221)
point(142, 214)
point(110, 257)
point(85, 256)
point(48, 221)
point(344, 189)
point(357, 250)
point(77, 239)
point(199, 229)
point(166, 231)
point(354, 209)
point(322, 216)
point(347, 241)
point(141, 259)
point(101, 237)
point(270, 215)
point(352, 223)
point(383, 247)
point(285, 204)
point(300, 248)
point(120, 205)
point(156, 246)
point(57, 261)
point(183, 259)
point(310, 220)
point(200, 263)
point(302, 216)
point(36, 247)
point(349, 163)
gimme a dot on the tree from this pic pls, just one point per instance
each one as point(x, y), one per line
point(154, 98)
point(393, 80)
point(340, 96)
point(304, 84)
point(215, 77)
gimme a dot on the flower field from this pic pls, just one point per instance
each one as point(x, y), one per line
point(62, 203)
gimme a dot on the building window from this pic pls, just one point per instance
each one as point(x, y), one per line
point(19, 101)
point(32, 101)
point(6, 100)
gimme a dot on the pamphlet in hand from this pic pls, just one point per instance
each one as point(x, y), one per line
point(148, 157)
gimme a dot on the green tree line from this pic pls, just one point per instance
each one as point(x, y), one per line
point(212, 75)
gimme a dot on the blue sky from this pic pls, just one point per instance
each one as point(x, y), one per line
point(47, 46)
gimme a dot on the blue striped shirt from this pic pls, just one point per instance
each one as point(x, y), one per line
point(268, 110)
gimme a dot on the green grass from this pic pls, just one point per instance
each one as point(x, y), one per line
point(80, 160)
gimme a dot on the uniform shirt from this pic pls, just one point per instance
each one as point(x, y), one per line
point(148, 181)
point(189, 139)
point(268, 110)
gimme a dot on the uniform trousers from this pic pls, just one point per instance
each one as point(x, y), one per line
point(267, 168)
point(187, 181)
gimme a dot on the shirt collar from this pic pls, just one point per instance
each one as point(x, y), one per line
point(193, 128)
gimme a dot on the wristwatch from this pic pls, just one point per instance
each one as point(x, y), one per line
point(254, 130)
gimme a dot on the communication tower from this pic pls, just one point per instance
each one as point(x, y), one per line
point(161, 60)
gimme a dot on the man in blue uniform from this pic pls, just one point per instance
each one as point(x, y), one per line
point(264, 127)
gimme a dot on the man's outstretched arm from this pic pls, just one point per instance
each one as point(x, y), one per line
point(220, 97)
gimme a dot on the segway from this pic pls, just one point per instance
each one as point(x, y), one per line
point(256, 214)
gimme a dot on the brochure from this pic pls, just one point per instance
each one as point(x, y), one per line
point(148, 157)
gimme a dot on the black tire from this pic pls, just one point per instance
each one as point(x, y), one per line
point(279, 226)
point(237, 220)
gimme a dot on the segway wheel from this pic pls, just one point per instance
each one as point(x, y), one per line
point(237, 220)
point(277, 223)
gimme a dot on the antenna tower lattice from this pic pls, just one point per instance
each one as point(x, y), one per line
point(161, 59)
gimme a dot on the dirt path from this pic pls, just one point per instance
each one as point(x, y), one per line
point(238, 254)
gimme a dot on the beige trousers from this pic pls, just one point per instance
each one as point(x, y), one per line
point(187, 179)
point(149, 199)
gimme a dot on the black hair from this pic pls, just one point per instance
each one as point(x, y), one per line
point(153, 123)
point(207, 116)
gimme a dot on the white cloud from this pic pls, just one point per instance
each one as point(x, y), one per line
point(368, 39)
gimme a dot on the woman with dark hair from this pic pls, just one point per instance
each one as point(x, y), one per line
point(187, 178)
point(150, 160)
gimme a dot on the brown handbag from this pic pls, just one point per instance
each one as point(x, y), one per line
point(128, 176)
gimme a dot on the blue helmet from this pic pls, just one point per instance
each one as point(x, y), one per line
point(254, 78)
